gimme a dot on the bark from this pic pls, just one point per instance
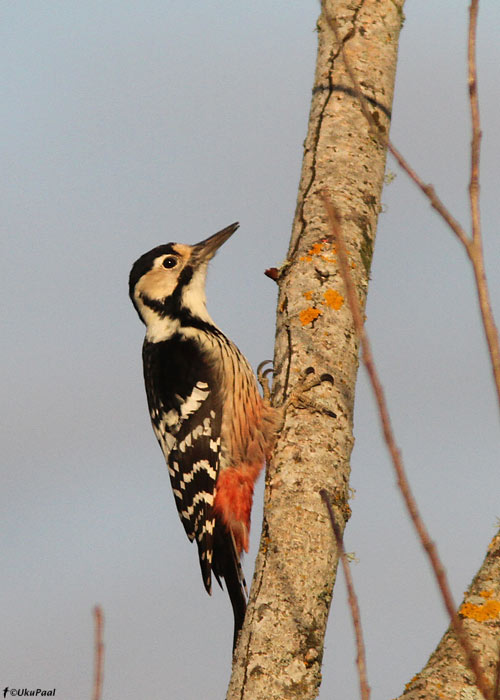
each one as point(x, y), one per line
point(446, 674)
point(280, 648)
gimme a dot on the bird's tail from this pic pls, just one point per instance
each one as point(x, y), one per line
point(226, 565)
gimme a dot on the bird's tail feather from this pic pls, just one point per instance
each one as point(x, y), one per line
point(227, 565)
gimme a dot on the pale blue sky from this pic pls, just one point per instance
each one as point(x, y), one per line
point(129, 124)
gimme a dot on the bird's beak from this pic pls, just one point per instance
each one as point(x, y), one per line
point(205, 250)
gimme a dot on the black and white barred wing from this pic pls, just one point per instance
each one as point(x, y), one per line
point(193, 465)
point(186, 416)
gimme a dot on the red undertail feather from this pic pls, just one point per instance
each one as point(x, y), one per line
point(233, 500)
point(251, 434)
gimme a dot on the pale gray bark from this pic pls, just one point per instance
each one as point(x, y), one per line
point(281, 646)
point(446, 676)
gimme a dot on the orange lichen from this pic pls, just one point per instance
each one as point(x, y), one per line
point(487, 611)
point(486, 594)
point(308, 295)
point(316, 249)
point(309, 315)
point(333, 299)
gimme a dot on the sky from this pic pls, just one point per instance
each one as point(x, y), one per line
point(126, 125)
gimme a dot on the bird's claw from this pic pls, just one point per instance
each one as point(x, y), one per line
point(262, 376)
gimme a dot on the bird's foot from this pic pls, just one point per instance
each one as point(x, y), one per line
point(262, 376)
point(307, 381)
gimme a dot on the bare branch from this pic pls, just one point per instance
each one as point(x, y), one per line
point(385, 142)
point(404, 486)
point(472, 245)
point(364, 688)
point(98, 652)
point(476, 129)
point(475, 246)
point(431, 195)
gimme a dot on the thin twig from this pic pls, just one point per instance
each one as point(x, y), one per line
point(472, 245)
point(364, 688)
point(475, 246)
point(476, 128)
point(98, 652)
point(431, 195)
point(404, 486)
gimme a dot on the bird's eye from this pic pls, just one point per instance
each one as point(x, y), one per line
point(170, 261)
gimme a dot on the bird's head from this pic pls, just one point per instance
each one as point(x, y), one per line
point(167, 284)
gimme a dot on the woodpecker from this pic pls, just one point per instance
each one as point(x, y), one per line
point(213, 426)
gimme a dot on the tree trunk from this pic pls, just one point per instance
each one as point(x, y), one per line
point(280, 649)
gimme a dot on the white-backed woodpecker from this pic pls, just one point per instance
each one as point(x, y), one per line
point(213, 426)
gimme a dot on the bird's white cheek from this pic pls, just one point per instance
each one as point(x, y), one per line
point(157, 284)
